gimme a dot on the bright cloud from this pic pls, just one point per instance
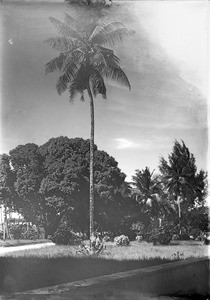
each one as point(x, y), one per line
point(123, 143)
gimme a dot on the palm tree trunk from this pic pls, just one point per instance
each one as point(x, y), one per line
point(92, 233)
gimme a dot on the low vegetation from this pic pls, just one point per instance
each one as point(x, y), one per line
point(135, 251)
point(56, 264)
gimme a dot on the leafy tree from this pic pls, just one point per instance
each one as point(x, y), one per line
point(91, 3)
point(84, 62)
point(52, 182)
point(149, 194)
point(180, 179)
point(6, 188)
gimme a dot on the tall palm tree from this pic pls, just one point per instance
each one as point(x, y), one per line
point(84, 62)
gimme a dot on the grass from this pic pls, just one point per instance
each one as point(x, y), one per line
point(14, 243)
point(58, 264)
point(136, 251)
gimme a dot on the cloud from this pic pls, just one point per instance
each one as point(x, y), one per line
point(123, 143)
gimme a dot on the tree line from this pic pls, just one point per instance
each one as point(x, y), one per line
point(49, 184)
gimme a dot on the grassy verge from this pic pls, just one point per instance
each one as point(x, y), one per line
point(136, 251)
point(59, 264)
point(14, 243)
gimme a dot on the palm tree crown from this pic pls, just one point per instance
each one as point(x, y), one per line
point(84, 61)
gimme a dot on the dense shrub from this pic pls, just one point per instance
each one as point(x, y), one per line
point(184, 237)
point(162, 235)
point(65, 236)
point(31, 234)
point(20, 231)
point(122, 240)
point(16, 231)
point(1, 235)
point(138, 227)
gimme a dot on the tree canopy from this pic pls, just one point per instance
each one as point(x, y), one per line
point(53, 180)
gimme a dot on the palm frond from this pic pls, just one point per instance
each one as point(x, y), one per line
point(65, 79)
point(73, 91)
point(73, 58)
point(103, 29)
point(118, 75)
point(97, 83)
point(61, 44)
point(56, 63)
point(65, 30)
point(112, 37)
point(70, 21)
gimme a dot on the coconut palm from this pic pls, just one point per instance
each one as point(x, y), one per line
point(84, 62)
point(148, 192)
point(179, 177)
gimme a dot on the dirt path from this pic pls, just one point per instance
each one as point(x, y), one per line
point(5, 250)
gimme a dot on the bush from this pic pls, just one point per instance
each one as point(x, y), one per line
point(30, 234)
point(121, 240)
point(184, 237)
point(20, 231)
point(16, 231)
point(138, 228)
point(65, 236)
point(162, 235)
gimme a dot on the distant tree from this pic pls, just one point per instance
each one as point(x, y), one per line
point(84, 62)
point(52, 181)
point(6, 188)
point(148, 192)
point(183, 185)
point(91, 3)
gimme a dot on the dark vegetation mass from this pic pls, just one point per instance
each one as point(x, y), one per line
point(49, 186)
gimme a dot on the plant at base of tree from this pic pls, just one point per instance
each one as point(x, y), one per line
point(122, 240)
point(161, 235)
point(65, 236)
point(139, 229)
point(178, 255)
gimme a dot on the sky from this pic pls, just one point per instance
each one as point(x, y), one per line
point(166, 62)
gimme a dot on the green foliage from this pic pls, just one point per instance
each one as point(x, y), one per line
point(91, 3)
point(16, 231)
point(84, 61)
point(138, 227)
point(52, 182)
point(65, 236)
point(179, 175)
point(6, 180)
point(149, 194)
point(21, 231)
point(122, 240)
point(162, 235)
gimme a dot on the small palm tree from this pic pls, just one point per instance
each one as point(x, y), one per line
point(84, 62)
point(148, 192)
